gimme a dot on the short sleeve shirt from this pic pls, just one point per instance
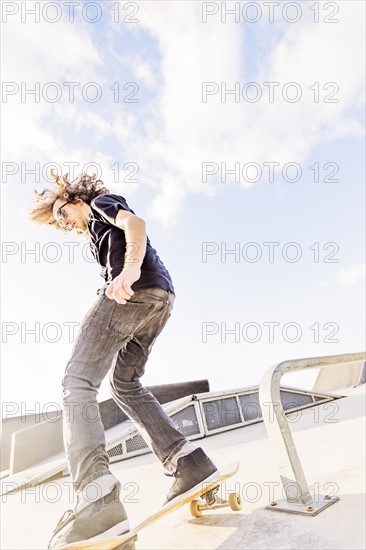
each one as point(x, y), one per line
point(108, 244)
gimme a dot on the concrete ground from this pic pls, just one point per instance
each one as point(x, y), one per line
point(330, 439)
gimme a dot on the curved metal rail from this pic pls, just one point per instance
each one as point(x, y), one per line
point(298, 497)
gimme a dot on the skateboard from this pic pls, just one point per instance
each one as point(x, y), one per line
point(201, 497)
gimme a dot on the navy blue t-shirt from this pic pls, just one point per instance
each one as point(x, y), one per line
point(108, 244)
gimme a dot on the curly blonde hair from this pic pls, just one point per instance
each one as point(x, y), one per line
point(84, 187)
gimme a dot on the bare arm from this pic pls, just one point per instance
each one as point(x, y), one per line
point(135, 233)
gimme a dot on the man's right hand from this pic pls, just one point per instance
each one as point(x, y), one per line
point(120, 288)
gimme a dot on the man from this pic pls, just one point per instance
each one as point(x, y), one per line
point(115, 337)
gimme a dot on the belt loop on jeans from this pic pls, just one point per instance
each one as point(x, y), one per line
point(101, 291)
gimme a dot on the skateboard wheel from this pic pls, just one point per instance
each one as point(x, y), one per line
point(195, 508)
point(234, 501)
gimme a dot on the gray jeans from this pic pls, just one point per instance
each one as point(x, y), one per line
point(115, 338)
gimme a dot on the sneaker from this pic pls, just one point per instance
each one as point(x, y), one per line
point(105, 517)
point(192, 469)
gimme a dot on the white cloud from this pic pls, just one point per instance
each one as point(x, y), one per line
point(351, 276)
point(42, 53)
point(144, 71)
point(184, 132)
point(82, 118)
point(170, 135)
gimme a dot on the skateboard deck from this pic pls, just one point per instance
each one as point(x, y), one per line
point(207, 491)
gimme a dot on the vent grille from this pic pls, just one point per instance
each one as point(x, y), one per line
point(186, 421)
point(250, 407)
point(294, 400)
point(115, 451)
point(221, 413)
point(135, 443)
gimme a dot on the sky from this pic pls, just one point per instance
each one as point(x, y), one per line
point(238, 138)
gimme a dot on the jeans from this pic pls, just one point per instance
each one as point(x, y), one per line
point(115, 338)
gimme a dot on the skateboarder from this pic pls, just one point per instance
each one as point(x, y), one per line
point(115, 337)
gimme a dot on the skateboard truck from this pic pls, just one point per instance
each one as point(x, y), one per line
point(212, 501)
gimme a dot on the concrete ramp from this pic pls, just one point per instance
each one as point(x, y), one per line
point(332, 451)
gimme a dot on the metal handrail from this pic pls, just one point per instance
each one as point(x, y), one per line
point(292, 475)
